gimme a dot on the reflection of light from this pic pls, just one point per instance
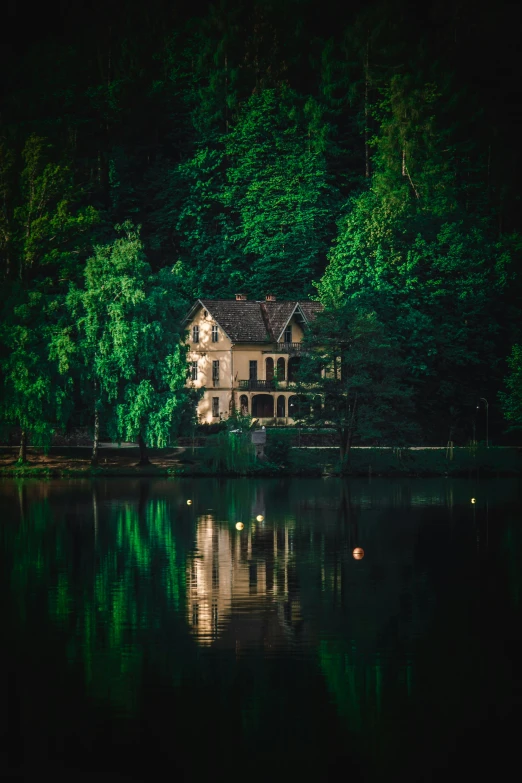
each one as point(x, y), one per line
point(260, 517)
point(189, 502)
point(358, 553)
point(473, 500)
point(239, 526)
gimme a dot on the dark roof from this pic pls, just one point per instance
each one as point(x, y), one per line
point(278, 314)
point(310, 309)
point(254, 322)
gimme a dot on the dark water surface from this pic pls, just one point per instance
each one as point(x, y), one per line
point(144, 637)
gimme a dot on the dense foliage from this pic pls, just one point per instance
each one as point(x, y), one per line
point(365, 154)
point(355, 368)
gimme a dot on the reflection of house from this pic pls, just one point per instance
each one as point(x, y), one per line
point(246, 355)
point(239, 586)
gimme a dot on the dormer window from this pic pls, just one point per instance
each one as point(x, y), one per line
point(287, 335)
point(195, 334)
point(215, 334)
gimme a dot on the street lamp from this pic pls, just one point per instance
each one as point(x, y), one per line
point(487, 419)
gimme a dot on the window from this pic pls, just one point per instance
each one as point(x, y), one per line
point(281, 369)
point(269, 369)
point(215, 407)
point(215, 373)
point(243, 404)
point(215, 334)
point(287, 336)
point(195, 334)
point(281, 407)
point(253, 370)
point(194, 370)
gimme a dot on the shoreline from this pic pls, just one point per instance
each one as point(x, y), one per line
point(309, 462)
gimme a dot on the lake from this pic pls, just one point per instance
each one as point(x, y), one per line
point(260, 629)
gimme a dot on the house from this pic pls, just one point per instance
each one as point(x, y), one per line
point(246, 353)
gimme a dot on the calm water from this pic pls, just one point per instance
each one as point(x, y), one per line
point(145, 636)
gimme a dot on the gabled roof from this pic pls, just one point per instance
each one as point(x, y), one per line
point(278, 315)
point(310, 309)
point(246, 321)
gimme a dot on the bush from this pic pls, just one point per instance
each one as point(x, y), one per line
point(231, 452)
point(278, 447)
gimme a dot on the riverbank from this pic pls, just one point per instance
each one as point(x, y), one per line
point(184, 461)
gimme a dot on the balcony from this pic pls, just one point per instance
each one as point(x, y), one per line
point(287, 348)
point(257, 385)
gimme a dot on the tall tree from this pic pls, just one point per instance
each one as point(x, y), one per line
point(128, 322)
point(351, 377)
point(279, 186)
point(35, 396)
point(45, 235)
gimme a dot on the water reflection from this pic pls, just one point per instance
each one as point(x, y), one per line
point(241, 584)
point(249, 603)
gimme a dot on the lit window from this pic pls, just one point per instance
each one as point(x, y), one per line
point(215, 407)
point(215, 373)
point(287, 337)
point(215, 334)
point(195, 334)
point(194, 370)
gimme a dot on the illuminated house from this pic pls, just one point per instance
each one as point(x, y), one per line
point(246, 354)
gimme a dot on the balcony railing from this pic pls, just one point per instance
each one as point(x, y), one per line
point(257, 385)
point(289, 347)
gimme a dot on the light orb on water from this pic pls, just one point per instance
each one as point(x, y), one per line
point(260, 518)
point(189, 502)
point(358, 553)
point(473, 501)
point(239, 526)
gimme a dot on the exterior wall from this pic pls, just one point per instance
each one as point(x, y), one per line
point(297, 331)
point(204, 353)
point(234, 366)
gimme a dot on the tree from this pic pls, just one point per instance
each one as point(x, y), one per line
point(194, 223)
point(34, 397)
point(351, 375)
point(511, 401)
point(440, 279)
point(43, 231)
point(278, 185)
point(131, 344)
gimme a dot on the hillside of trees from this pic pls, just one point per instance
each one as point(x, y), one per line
point(364, 155)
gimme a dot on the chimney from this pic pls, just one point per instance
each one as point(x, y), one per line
point(240, 297)
point(270, 298)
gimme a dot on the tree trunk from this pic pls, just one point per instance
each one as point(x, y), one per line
point(144, 460)
point(346, 434)
point(96, 439)
point(22, 454)
point(343, 444)
point(350, 430)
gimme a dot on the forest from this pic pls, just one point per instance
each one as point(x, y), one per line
point(365, 154)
